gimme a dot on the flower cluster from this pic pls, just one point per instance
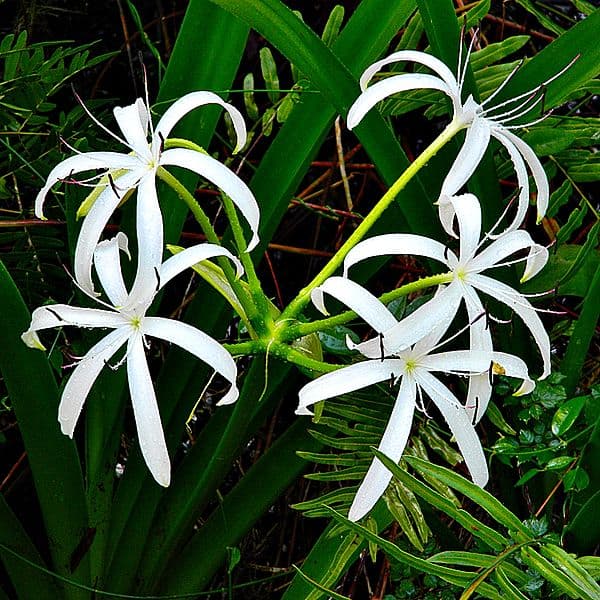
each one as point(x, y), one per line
point(408, 352)
point(125, 312)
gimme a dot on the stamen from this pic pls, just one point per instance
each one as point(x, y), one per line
point(53, 312)
point(420, 404)
point(157, 274)
point(113, 186)
point(147, 95)
point(476, 407)
point(517, 111)
point(463, 73)
point(381, 347)
point(496, 225)
point(503, 84)
point(103, 127)
point(531, 123)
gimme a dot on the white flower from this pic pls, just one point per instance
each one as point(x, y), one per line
point(126, 316)
point(413, 369)
point(481, 120)
point(137, 169)
point(468, 279)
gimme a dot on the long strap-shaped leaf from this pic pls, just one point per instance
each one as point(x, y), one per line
point(52, 456)
point(241, 508)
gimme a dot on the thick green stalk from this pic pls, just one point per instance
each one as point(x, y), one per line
point(334, 263)
point(211, 236)
point(298, 330)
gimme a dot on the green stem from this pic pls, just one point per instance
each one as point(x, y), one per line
point(304, 296)
point(211, 236)
point(298, 330)
point(256, 290)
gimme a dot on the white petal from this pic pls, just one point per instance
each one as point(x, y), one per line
point(522, 179)
point(199, 344)
point(59, 315)
point(468, 215)
point(437, 311)
point(458, 361)
point(187, 258)
point(387, 87)
point(107, 261)
point(396, 243)
point(145, 409)
point(358, 299)
point(435, 64)
point(133, 122)
point(347, 379)
point(94, 224)
point(392, 445)
point(149, 229)
point(469, 157)
point(82, 162)
point(222, 177)
point(509, 244)
point(460, 426)
point(523, 308)
point(83, 377)
point(537, 170)
point(480, 339)
point(513, 366)
point(193, 100)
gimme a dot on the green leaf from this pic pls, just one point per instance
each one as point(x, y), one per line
point(269, 72)
point(549, 140)
point(566, 415)
point(333, 25)
point(51, 455)
point(318, 586)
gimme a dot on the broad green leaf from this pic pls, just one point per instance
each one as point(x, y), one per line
point(549, 140)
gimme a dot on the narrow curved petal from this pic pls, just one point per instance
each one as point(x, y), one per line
point(358, 299)
point(460, 362)
point(523, 308)
point(83, 377)
point(468, 214)
point(507, 245)
point(149, 228)
point(537, 170)
point(145, 409)
point(176, 264)
point(435, 64)
point(392, 445)
point(222, 177)
point(522, 180)
point(476, 142)
point(440, 309)
point(199, 344)
point(107, 261)
point(387, 87)
point(82, 162)
point(189, 102)
point(59, 315)
point(396, 243)
point(94, 224)
point(460, 426)
point(345, 380)
point(480, 339)
point(133, 122)
point(513, 366)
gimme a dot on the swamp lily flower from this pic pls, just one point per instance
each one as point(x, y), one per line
point(125, 314)
point(467, 280)
point(137, 169)
point(413, 368)
point(482, 121)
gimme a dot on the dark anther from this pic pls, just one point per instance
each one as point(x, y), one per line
point(381, 348)
point(112, 185)
point(476, 411)
point(157, 274)
point(446, 250)
point(54, 313)
point(162, 141)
